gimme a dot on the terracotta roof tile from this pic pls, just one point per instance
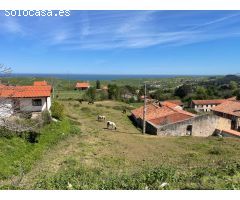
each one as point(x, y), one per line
point(229, 107)
point(40, 83)
point(209, 102)
point(169, 119)
point(82, 85)
point(25, 91)
point(169, 104)
point(158, 113)
point(176, 101)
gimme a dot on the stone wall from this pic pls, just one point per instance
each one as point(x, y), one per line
point(203, 126)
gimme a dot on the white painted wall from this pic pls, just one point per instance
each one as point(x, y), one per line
point(6, 106)
point(49, 103)
point(26, 104)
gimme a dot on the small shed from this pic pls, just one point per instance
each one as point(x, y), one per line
point(82, 86)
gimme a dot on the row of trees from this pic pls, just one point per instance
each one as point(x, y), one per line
point(186, 92)
point(114, 92)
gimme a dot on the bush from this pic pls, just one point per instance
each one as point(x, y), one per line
point(6, 133)
point(57, 110)
point(74, 130)
point(32, 136)
point(46, 117)
point(215, 151)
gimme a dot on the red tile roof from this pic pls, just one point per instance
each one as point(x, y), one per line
point(176, 101)
point(156, 113)
point(169, 104)
point(82, 85)
point(1, 85)
point(232, 98)
point(40, 83)
point(25, 91)
point(169, 119)
point(105, 87)
point(209, 102)
point(229, 107)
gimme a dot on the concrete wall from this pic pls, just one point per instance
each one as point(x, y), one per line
point(7, 108)
point(26, 104)
point(203, 126)
point(49, 103)
point(223, 123)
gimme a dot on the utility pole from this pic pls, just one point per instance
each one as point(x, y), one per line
point(145, 108)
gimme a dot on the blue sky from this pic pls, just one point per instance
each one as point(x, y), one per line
point(123, 42)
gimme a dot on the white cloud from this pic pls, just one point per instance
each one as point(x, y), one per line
point(11, 25)
point(100, 30)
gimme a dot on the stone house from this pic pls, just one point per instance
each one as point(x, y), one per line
point(168, 119)
point(160, 114)
point(229, 110)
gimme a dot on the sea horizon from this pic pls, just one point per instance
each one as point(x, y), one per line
point(91, 77)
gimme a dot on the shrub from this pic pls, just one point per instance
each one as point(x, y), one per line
point(46, 117)
point(57, 110)
point(75, 130)
point(32, 136)
point(215, 151)
point(6, 133)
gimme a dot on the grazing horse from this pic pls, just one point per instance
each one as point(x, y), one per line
point(101, 117)
point(112, 125)
point(91, 102)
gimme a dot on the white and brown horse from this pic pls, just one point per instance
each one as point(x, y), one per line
point(111, 125)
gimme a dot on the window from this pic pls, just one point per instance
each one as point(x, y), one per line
point(37, 102)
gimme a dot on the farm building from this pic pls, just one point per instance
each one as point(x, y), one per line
point(205, 105)
point(166, 119)
point(82, 86)
point(229, 110)
point(17, 99)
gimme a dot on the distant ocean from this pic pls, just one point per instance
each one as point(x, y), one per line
point(91, 77)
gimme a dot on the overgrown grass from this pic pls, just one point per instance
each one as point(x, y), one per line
point(19, 155)
point(225, 176)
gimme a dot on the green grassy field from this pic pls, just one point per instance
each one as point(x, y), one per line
point(99, 158)
point(18, 155)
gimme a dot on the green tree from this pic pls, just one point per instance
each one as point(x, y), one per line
point(183, 91)
point(237, 93)
point(57, 110)
point(98, 84)
point(91, 94)
point(113, 91)
point(233, 85)
point(201, 93)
